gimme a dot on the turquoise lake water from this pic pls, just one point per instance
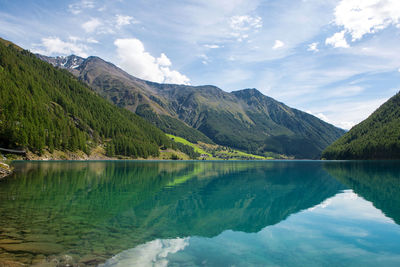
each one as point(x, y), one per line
point(227, 213)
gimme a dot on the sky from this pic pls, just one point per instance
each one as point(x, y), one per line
point(336, 59)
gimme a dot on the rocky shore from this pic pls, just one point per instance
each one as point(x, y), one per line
point(5, 170)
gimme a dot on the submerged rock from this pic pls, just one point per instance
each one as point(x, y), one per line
point(5, 170)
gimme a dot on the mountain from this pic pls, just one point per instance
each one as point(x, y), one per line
point(245, 119)
point(70, 62)
point(377, 137)
point(126, 91)
point(45, 108)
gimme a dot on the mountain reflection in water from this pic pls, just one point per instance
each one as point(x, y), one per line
point(87, 212)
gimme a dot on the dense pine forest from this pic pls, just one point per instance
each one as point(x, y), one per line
point(377, 137)
point(42, 107)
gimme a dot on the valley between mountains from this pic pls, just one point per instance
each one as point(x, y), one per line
point(244, 120)
point(87, 108)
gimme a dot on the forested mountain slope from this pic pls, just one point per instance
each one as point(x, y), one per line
point(245, 119)
point(42, 107)
point(377, 137)
point(128, 92)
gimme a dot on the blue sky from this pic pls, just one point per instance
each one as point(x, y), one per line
point(337, 59)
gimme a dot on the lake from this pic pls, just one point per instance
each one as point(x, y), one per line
point(200, 213)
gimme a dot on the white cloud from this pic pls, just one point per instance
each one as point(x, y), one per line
point(211, 46)
point(313, 47)
point(245, 23)
point(92, 40)
point(319, 115)
point(163, 60)
point(278, 44)
point(322, 117)
point(78, 7)
point(360, 17)
point(398, 70)
point(241, 26)
point(56, 46)
point(204, 59)
point(125, 20)
point(140, 63)
point(346, 114)
point(74, 39)
point(91, 25)
point(337, 40)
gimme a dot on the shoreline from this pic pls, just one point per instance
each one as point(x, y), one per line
point(5, 170)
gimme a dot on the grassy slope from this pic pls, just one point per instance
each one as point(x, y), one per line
point(186, 142)
point(219, 151)
point(249, 121)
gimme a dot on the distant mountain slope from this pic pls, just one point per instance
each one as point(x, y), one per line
point(248, 120)
point(42, 107)
point(127, 91)
point(244, 119)
point(377, 137)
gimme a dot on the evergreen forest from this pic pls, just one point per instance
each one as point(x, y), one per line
point(42, 107)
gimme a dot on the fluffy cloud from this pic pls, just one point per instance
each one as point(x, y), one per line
point(56, 46)
point(140, 63)
point(122, 20)
point(337, 40)
point(163, 60)
point(242, 25)
point(278, 44)
point(360, 17)
point(313, 47)
point(245, 23)
point(91, 25)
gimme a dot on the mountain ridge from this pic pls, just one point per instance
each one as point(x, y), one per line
point(44, 109)
point(244, 119)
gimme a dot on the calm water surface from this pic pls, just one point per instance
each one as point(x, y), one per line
point(130, 213)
